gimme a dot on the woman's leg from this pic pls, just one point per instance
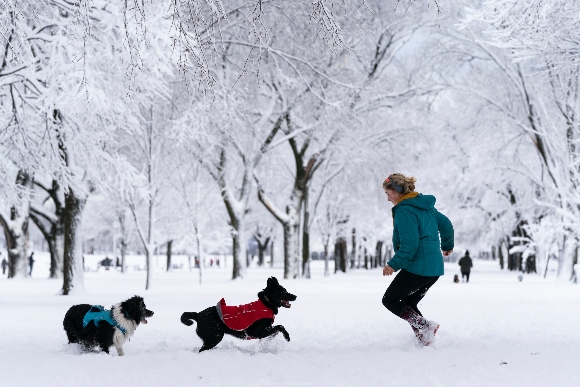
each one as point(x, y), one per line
point(413, 299)
point(402, 297)
point(403, 291)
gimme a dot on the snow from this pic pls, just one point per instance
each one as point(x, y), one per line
point(495, 331)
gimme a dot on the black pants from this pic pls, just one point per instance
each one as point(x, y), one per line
point(407, 289)
point(465, 274)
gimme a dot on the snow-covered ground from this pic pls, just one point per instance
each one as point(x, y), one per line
point(495, 331)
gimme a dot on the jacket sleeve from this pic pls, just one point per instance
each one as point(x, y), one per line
point(408, 227)
point(445, 231)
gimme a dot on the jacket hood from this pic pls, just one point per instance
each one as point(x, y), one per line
point(419, 201)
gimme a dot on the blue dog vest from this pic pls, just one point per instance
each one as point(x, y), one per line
point(97, 314)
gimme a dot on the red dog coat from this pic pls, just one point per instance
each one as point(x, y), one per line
point(240, 317)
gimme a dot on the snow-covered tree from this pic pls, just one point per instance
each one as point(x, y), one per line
point(15, 224)
point(48, 215)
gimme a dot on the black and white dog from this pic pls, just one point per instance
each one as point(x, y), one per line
point(92, 325)
point(248, 321)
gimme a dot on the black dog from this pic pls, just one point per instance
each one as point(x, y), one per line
point(92, 325)
point(249, 321)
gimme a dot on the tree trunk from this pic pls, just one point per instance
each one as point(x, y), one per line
point(148, 266)
point(272, 253)
point(147, 239)
point(73, 254)
point(378, 254)
point(290, 221)
point(57, 252)
point(122, 227)
point(388, 255)
point(366, 255)
point(515, 259)
point(262, 247)
point(343, 257)
point(340, 253)
point(353, 254)
point(238, 250)
point(53, 235)
point(198, 248)
point(15, 227)
point(500, 255)
point(291, 258)
point(326, 260)
point(123, 255)
point(169, 244)
point(566, 259)
point(305, 237)
point(305, 252)
point(16, 235)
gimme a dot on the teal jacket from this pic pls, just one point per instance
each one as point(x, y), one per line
point(417, 226)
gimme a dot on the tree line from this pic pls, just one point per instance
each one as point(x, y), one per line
point(195, 125)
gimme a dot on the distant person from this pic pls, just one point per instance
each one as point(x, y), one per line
point(4, 266)
point(466, 264)
point(106, 263)
point(118, 262)
point(421, 237)
point(31, 262)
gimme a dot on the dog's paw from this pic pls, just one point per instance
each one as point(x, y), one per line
point(286, 335)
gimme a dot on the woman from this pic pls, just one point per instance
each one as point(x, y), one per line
point(417, 227)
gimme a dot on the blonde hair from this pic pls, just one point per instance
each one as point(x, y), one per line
point(408, 183)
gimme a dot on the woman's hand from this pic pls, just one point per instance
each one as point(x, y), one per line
point(387, 270)
point(447, 253)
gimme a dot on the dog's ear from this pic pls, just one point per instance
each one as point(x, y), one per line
point(272, 281)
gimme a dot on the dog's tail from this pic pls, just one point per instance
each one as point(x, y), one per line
point(186, 318)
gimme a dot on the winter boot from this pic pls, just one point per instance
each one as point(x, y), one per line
point(424, 329)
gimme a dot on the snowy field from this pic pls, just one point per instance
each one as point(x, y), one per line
point(495, 331)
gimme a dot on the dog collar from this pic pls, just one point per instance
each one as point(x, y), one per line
point(123, 330)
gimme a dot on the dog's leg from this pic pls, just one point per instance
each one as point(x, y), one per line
point(263, 328)
point(70, 332)
point(210, 328)
point(271, 331)
point(281, 329)
point(210, 339)
point(120, 351)
point(105, 335)
point(104, 348)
